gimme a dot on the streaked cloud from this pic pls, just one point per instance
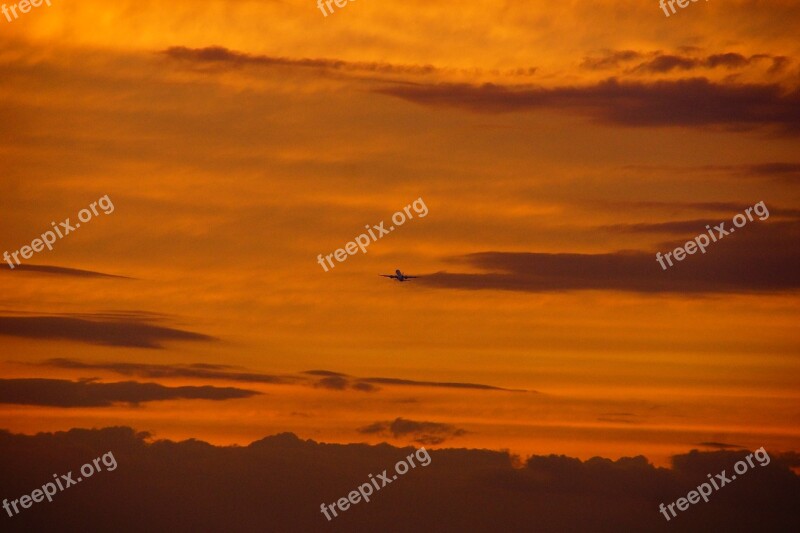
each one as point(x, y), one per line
point(439, 384)
point(87, 393)
point(62, 271)
point(476, 490)
point(719, 445)
point(338, 381)
point(325, 379)
point(760, 258)
point(131, 331)
point(427, 433)
point(659, 62)
point(687, 102)
point(196, 370)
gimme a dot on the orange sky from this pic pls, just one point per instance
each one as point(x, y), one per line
point(535, 127)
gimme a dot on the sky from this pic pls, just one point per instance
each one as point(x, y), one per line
point(555, 147)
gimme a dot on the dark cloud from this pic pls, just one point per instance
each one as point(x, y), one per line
point(760, 257)
point(719, 445)
point(364, 387)
point(281, 481)
point(321, 378)
point(323, 373)
point(610, 60)
point(779, 170)
point(221, 57)
point(63, 271)
point(723, 208)
point(225, 57)
point(665, 63)
point(197, 370)
point(334, 382)
point(135, 331)
point(791, 459)
point(729, 60)
point(660, 62)
point(337, 381)
point(87, 393)
point(680, 227)
point(426, 433)
point(439, 384)
point(785, 171)
point(779, 63)
point(619, 420)
point(688, 102)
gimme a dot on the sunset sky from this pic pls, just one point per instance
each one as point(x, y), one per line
point(557, 147)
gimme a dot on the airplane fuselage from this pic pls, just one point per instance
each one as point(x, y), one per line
point(399, 276)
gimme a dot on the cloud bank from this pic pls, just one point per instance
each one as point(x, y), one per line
point(279, 482)
point(86, 393)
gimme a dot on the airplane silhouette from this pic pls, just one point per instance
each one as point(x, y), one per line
point(399, 276)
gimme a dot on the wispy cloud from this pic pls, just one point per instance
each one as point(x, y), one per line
point(687, 102)
point(134, 331)
point(429, 433)
point(337, 381)
point(719, 445)
point(221, 57)
point(761, 258)
point(658, 62)
point(86, 393)
point(325, 379)
point(196, 370)
point(62, 271)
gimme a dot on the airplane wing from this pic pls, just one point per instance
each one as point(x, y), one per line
point(410, 277)
point(387, 276)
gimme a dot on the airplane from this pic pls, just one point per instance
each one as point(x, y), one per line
point(399, 276)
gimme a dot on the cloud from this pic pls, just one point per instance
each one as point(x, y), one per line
point(196, 370)
point(689, 102)
point(329, 380)
point(610, 59)
point(340, 384)
point(134, 330)
point(63, 271)
point(762, 257)
point(426, 433)
point(660, 63)
point(680, 227)
point(438, 384)
point(728, 60)
point(666, 63)
point(282, 480)
point(86, 393)
point(783, 171)
point(218, 56)
point(616, 420)
point(788, 170)
point(224, 57)
point(337, 381)
point(719, 445)
point(323, 373)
